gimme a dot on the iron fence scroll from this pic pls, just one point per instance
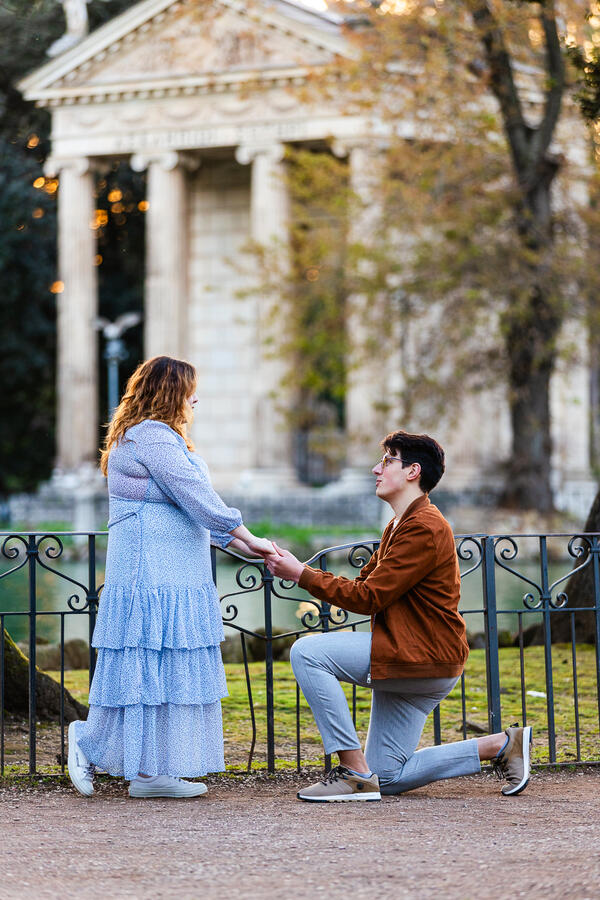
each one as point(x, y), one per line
point(536, 566)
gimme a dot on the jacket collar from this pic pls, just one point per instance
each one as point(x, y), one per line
point(419, 503)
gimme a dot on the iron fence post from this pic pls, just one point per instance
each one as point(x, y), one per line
point(32, 551)
point(267, 585)
point(92, 599)
point(325, 616)
point(1, 695)
point(325, 605)
point(547, 649)
point(213, 563)
point(492, 661)
point(596, 565)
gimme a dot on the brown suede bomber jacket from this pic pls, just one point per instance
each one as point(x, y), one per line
point(411, 588)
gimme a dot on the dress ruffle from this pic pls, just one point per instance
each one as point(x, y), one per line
point(136, 675)
point(156, 618)
point(186, 741)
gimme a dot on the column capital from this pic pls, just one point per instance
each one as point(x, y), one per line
point(247, 153)
point(167, 160)
point(344, 147)
point(81, 165)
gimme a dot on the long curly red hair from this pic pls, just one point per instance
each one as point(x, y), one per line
point(158, 389)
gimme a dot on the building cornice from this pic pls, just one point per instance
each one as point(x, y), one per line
point(52, 83)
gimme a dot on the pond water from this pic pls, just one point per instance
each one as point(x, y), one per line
point(53, 593)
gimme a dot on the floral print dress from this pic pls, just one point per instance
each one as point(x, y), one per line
point(155, 697)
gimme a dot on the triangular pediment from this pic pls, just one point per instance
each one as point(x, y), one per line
point(159, 44)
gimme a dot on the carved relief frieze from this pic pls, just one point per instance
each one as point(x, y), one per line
point(134, 114)
point(87, 118)
point(126, 118)
point(194, 42)
point(182, 110)
point(234, 104)
point(283, 99)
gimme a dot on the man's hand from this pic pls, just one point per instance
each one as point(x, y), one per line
point(285, 565)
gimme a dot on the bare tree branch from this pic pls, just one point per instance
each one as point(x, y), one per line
point(502, 82)
point(556, 84)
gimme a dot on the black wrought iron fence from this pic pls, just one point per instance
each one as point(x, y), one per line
point(513, 593)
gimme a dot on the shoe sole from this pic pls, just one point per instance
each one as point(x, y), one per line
point(83, 787)
point(344, 798)
point(527, 740)
point(148, 794)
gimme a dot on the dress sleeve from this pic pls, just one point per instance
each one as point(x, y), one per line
point(188, 487)
point(221, 539)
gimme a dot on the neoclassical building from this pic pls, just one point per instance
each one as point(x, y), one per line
point(197, 95)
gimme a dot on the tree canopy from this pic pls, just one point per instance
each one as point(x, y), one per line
point(28, 246)
point(476, 259)
point(477, 256)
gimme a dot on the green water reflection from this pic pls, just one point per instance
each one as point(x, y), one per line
point(53, 594)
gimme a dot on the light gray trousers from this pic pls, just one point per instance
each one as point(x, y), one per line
point(399, 708)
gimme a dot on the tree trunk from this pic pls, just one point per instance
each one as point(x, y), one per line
point(530, 345)
point(533, 322)
point(532, 326)
point(16, 689)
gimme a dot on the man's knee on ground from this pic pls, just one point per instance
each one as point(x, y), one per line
point(388, 778)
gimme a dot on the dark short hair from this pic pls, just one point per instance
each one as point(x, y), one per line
point(418, 448)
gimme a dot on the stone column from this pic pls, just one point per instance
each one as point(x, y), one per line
point(166, 287)
point(269, 215)
point(368, 388)
point(77, 305)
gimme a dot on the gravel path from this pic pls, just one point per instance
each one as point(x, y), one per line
point(250, 838)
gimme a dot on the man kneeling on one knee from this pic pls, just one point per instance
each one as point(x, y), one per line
point(414, 654)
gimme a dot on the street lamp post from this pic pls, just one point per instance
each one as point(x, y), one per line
point(115, 352)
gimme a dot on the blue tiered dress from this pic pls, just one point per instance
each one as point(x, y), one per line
point(155, 700)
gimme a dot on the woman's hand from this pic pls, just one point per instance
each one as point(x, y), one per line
point(261, 546)
point(241, 547)
point(285, 565)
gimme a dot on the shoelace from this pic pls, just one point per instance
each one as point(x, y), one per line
point(334, 775)
point(499, 767)
point(499, 763)
point(89, 769)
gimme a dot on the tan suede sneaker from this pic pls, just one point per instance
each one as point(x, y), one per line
point(513, 763)
point(340, 786)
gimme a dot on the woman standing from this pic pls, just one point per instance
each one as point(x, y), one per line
point(155, 700)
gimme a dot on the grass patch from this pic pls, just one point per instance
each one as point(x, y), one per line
point(237, 725)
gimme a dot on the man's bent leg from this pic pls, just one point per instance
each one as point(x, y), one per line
point(320, 663)
point(397, 721)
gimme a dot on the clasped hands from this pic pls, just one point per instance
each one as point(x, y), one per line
point(279, 562)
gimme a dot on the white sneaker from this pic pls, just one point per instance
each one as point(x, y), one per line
point(81, 770)
point(165, 786)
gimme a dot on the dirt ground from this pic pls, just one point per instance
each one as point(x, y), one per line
point(250, 837)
